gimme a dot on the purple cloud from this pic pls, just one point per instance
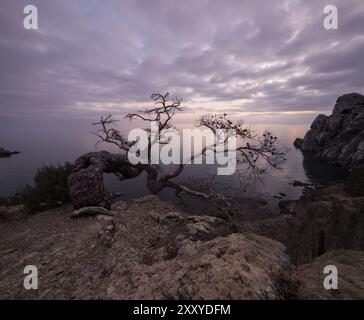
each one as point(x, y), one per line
point(242, 55)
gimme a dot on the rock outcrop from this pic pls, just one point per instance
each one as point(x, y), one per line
point(329, 222)
point(321, 221)
point(350, 267)
point(338, 138)
point(6, 153)
point(234, 267)
point(147, 250)
point(16, 212)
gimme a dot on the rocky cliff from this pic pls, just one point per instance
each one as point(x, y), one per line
point(338, 138)
point(321, 221)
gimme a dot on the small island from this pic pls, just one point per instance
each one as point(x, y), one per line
point(6, 153)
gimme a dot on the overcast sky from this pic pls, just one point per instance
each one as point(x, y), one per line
point(93, 56)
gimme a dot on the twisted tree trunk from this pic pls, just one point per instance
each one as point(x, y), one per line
point(86, 183)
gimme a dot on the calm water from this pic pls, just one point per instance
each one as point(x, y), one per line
point(54, 142)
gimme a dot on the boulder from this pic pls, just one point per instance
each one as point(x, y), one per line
point(298, 142)
point(9, 213)
point(329, 219)
point(86, 188)
point(234, 267)
point(326, 225)
point(338, 138)
point(350, 267)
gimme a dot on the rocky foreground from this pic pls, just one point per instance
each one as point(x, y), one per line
point(149, 249)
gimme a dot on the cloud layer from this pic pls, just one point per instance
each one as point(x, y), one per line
point(96, 56)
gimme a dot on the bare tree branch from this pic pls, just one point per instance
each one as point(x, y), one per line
point(253, 153)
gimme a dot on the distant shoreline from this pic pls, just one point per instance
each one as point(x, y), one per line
point(6, 153)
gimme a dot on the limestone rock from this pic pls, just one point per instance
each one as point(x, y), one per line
point(150, 249)
point(350, 267)
point(338, 138)
point(234, 267)
point(328, 220)
point(12, 212)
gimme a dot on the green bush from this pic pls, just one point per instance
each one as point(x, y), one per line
point(354, 185)
point(50, 188)
point(11, 201)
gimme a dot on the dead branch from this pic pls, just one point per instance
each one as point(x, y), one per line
point(90, 211)
point(254, 153)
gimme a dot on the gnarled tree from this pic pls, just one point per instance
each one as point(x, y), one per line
point(86, 182)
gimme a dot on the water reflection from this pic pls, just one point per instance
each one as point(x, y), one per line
point(319, 172)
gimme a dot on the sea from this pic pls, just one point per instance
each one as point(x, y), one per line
point(55, 141)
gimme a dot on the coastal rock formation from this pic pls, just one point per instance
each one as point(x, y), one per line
point(6, 153)
point(321, 221)
point(148, 249)
point(338, 138)
point(350, 267)
point(329, 222)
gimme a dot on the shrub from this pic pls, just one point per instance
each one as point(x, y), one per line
point(50, 188)
point(354, 185)
point(11, 201)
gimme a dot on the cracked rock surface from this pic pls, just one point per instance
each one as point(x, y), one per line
point(148, 249)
